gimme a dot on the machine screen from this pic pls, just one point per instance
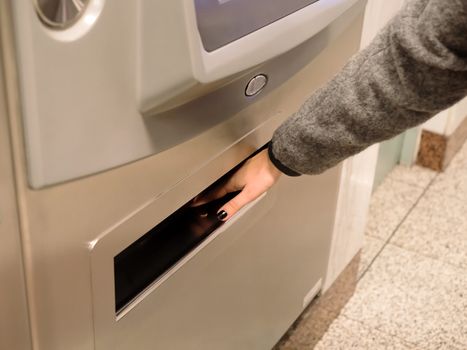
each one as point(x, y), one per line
point(223, 21)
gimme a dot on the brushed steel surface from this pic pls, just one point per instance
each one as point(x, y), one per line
point(66, 224)
point(241, 290)
point(107, 129)
point(14, 324)
point(60, 14)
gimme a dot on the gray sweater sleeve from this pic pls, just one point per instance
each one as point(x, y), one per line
point(414, 68)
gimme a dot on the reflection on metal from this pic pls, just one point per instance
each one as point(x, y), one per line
point(60, 14)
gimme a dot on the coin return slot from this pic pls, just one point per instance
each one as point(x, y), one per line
point(146, 260)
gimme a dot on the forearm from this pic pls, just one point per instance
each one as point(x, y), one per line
point(416, 67)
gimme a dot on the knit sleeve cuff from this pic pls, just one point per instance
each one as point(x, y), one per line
point(284, 169)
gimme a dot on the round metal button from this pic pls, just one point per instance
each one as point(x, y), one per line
point(60, 14)
point(256, 85)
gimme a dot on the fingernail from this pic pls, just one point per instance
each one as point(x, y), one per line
point(222, 215)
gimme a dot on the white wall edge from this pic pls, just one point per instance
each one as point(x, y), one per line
point(358, 173)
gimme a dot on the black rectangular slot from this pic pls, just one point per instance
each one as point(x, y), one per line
point(148, 258)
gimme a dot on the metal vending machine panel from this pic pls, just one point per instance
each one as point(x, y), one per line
point(119, 113)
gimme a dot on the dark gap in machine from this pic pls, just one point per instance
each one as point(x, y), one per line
point(148, 258)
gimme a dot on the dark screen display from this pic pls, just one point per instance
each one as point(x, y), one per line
point(223, 21)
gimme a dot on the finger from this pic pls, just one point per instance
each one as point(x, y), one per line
point(215, 193)
point(238, 202)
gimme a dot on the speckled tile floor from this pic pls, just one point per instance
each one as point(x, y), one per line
point(412, 288)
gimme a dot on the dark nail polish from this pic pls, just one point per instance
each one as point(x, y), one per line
point(222, 215)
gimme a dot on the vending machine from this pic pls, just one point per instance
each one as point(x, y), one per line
point(115, 115)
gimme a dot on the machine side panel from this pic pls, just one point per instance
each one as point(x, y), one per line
point(14, 324)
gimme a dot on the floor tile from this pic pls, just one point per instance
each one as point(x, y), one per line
point(420, 300)
point(310, 327)
point(347, 334)
point(389, 204)
point(306, 334)
point(437, 228)
point(414, 175)
point(371, 248)
point(453, 181)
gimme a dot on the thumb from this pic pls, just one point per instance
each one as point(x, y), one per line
point(238, 202)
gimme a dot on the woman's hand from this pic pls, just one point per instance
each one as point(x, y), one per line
point(254, 178)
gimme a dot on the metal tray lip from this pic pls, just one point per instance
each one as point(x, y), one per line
point(124, 310)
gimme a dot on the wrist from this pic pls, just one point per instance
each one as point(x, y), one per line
point(277, 164)
point(273, 170)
